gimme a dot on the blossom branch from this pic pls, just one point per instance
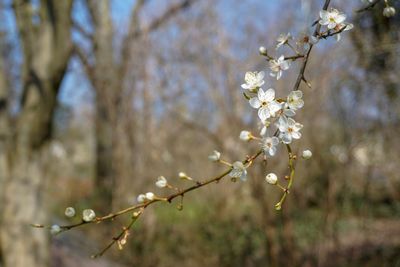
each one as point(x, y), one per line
point(273, 112)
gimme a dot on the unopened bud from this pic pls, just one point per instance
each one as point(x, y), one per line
point(149, 196)
point(161, 182)
point(215, 156)
point(88, 215)
point(69, 212)
point(389, 11)
point(271, 178)
point(263, 51)
point(307, 154)
point(245, 136)
point(183, 175)
point(55, 229)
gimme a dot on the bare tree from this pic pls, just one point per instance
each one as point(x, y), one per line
point(107, 72)
point(44, 35)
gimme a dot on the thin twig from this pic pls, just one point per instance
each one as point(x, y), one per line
point(300, 77)
point(168, 198)
point(368, 7)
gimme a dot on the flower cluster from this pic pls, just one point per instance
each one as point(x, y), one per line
point(276, 114)
point(334, 20)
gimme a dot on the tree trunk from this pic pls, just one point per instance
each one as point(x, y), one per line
point(4, 137)
point(46, 48)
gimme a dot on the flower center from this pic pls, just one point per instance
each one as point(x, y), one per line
point(290, 130)
point(264, 104)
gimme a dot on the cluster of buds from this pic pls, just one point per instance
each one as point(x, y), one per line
point(88, 215)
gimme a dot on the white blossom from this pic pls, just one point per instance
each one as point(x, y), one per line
point(238, 171)
point(265, 103)
point(277, 66)
point(161, 182)
point(269, 145)
point(307, 154)
point(149, 196)
point(283, 39)
point(293, 103)
point(331, 18)
point(69, 212)
point(55, 229)
point(289, 129)
point(88, 215)
point(253, 80)
point(271, 178)
point(141, 198)
point(389, 11)
point(215, 156)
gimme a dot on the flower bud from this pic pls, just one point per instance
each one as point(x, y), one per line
point(307, 154)
point(141, 198)
point(69, 212)
point(161, 182)
point(245, 136)
point(263, 50)
point(88, 215)
point(55, 229)
point(389, 11)
point(149, 196)
point(215, 156)
point(183, 175)
point(271, 178)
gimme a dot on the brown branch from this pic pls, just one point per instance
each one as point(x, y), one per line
point(168, 198)
point(155, 24)
point(89, 68)
point(82, 30)
point(368, 7)
point(294, 57)
point(135, 33)
point(301, 77)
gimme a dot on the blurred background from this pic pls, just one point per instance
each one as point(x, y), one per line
point(100, 97)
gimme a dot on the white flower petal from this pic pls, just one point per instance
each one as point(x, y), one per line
point(324, 14)
point(245, 86)
point(279, 75)
point(269, 95)
point(275, 140)
point(296, 135)
point(254, 102)
point(286, 138)
point(272, 151)
point(263, 113)
point(340, 18)
point(260, 75)
point(261, 95)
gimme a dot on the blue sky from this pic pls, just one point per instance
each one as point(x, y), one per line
point(76, 89)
